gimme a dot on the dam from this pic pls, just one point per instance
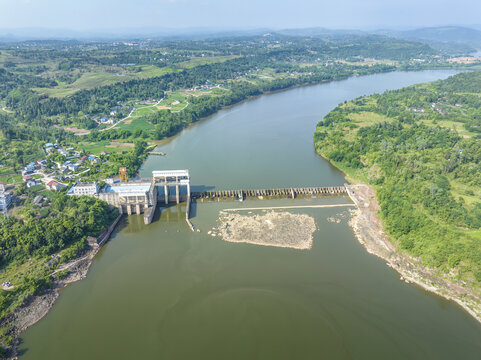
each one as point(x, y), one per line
point(141, 196)
point(184, 295)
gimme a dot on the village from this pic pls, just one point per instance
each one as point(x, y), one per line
point(64, 166)
point(61, 167)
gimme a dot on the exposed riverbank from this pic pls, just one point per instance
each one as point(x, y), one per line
point(36, 307)
point(39, 306)
point(178, 284)
point(368, 229)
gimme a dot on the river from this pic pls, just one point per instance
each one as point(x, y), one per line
point(163, 292)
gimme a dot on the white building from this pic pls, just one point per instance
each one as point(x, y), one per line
point(5, 198)
point(86, 188)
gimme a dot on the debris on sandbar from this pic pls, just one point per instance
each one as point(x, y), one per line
point(280, 229)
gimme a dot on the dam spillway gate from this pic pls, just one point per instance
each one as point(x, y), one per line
point(143, 195)
point(277, 193)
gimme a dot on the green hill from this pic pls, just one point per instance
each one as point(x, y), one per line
point(419, 147)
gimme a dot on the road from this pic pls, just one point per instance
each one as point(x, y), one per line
point(130, 114)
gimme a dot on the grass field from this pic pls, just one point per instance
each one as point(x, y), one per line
point(206, 60)
point(148, 71)
point(454, 125)
point(459, 189)
point(136, 123)
point(367, 118)
point(11, 178)
point(99, 77)
point(88, 80)
point(109, 146)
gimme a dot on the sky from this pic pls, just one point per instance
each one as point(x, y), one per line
point(89, 15)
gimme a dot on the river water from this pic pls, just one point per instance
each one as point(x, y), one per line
point(163, 292)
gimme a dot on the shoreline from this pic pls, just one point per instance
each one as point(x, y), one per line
point(37, 307)
point(369, 231)
point(266, 93)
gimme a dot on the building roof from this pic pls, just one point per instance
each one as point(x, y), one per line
point(87, 183)
point(52, 183)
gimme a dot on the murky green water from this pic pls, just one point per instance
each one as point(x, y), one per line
point(163, 292)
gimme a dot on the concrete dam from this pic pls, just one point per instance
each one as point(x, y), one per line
point(142, 196)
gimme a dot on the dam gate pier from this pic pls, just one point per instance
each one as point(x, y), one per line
point(141, 196)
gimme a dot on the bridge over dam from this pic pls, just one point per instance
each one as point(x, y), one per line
point(274, 193)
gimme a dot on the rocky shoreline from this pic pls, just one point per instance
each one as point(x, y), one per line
point(368, 229)
point(36, 307)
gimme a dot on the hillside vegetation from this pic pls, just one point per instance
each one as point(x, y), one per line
point(419, 147)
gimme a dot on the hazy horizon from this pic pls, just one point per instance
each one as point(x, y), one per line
point(108, 15)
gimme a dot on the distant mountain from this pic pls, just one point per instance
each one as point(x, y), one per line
point(447, 34)
point(453, 40)
point(319, 32)
point(12, 35)
point(449, 39)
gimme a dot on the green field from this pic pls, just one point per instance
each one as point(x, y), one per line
point(136, 123)
point(453, 125)
point(99, 77)
point(206, 60)
point(109, 146)
point(11, 178)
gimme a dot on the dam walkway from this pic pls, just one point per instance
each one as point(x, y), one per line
point(281, 192)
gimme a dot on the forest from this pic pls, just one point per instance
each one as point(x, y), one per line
point(37, 237)
point(419, 147)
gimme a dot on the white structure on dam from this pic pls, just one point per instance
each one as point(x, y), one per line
point(139, 196)
point(175, 178)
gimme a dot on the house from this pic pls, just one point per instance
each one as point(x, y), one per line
point(63, 152)
point(94, 159)
point(63, 170)
point(85, 188)
point(32, 182)
point(42, 162)
point(53, 185)
point(104, 153)
point(5, 198)
point(73, 167)
point(30, 167)
point(27, 178)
